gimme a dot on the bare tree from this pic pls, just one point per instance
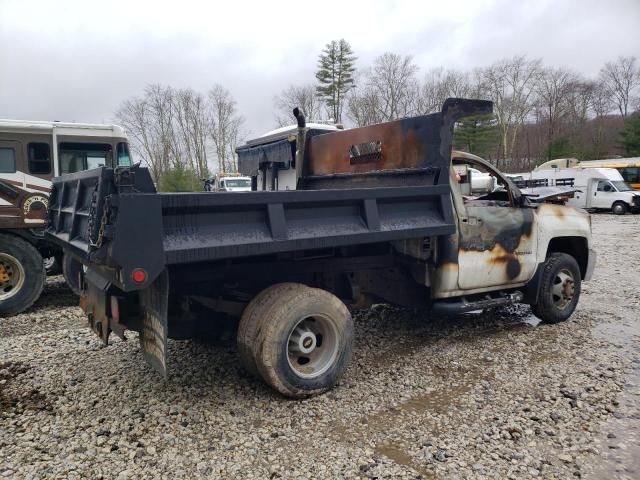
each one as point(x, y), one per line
point(224, 128)
point(303, 97)
point(438, 85)
point(364, 106)
point(579, 101)
point(135, 117)
point(510, 84)
point(149, 121)
point(392, 78)
point(190, 113)
point(622, 79)
point(552, 99)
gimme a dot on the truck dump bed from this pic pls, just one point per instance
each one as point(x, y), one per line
point(373, 184)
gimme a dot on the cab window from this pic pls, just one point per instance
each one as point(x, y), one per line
point(39, 158)
point(124, 157)
point(75, 156)
point(7, 160)
point(604, 186)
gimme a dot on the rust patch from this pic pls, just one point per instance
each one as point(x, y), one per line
point(399, 148)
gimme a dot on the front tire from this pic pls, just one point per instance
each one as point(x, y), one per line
point(559, 290)
point(619, 208)
point(22, 275)
point(304, 343)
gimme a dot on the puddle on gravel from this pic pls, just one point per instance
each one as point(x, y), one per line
point(619, 442)
point(401, 457)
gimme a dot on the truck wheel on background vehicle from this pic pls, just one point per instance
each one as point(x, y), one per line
point(559, 289)
point(304, 341)
point(251, 321)
point(619, 208)
point(22, 275)
point(72, 269)
point(53, 265)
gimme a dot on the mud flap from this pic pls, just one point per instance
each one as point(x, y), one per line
point(153, 335)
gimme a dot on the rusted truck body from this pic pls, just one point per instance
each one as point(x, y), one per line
point(377, 216)
point(31, 154)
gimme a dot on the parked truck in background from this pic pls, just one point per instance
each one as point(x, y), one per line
point(31, 154)
point(598, 188)
point(629, 167)
point(377, 216)
point(228, 182)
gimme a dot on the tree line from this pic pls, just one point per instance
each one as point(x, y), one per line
point(183, 132)
point(540, 112)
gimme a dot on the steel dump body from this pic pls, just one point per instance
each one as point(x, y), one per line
point(114, 221)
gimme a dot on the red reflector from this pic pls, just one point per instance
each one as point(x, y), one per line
point(139, 275)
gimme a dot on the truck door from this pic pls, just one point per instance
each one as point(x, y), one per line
point(497, 241)
point(604, 195)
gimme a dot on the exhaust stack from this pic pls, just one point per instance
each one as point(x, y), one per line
point(300, 142)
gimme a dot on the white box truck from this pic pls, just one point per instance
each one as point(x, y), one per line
point(600, 188)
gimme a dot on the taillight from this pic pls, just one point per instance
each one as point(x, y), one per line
point(139, 276)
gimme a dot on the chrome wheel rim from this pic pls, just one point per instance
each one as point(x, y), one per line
point(312, 346)
point(11, 276)
point(563, 289)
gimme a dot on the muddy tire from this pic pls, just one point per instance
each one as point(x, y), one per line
point(252, 320)
point(72, 271)
point(619, 208)
point(559, 289)
point(22, 275)
point(304, 343)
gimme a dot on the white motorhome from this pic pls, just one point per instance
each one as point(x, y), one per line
point(600, 188)
point(33, 152)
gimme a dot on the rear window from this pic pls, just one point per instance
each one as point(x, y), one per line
point(7, 160)
point(77, 156)
point(39, 158)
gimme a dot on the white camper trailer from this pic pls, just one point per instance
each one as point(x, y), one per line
point(600, 188)
point(270, 158)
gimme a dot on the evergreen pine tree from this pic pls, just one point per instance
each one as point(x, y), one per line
point(631, 135)
point(336, 66)
point(476, 134)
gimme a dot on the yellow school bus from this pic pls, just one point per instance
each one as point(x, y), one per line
point(629, 168)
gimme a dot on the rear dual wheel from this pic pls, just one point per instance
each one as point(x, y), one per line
point(296, 338)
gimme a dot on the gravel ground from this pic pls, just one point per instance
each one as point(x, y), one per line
point(489, 395)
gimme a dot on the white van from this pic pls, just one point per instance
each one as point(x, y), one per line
point(600, 188)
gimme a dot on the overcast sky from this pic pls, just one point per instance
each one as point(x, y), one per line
point(77, 60)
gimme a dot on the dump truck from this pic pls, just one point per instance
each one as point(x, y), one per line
point(377, 217)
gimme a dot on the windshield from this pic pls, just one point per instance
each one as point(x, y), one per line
point(622, 186)
point(76, 156)
point(237, 183)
